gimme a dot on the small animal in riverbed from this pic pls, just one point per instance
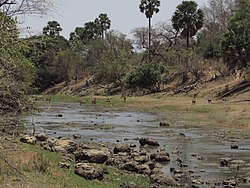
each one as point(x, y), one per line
point(82, 103)
point(124, 97)
point(48, 99)
point(193, 102)
point(195, 95)
point(209, 101)
point(93, 101)
point(108, 100)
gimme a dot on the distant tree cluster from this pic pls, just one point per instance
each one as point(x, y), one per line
point(195, 39)
point(92, 30)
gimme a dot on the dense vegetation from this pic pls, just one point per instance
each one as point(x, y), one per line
point(195, 39)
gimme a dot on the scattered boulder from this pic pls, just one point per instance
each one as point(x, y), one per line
point(76, 136)
point(178, 171)
point(28, 139)
point(246, 180)
point(179, 160)
point(42, 137)
point(182, 134)
point(92, 155)
point(137, 167)
point(231, 182)
point(164, 124)
point(176, 151)
point(148, 141)
point(224, 162)
point(160, 156)
point(61, 145)
point(122, 149)
point(162, 178)
point(197, 183)
point(141, 159)
point(234, 146)
point(90, 172)
point(59, 115)
point(132, 145)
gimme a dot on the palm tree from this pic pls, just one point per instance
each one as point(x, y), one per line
point(104, 22)
point(187, 19)
point(53, 28)
point(92, 30)
point(149, 7)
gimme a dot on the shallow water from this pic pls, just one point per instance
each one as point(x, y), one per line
point(200, 151)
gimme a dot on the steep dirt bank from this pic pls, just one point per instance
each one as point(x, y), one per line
point(233, 87)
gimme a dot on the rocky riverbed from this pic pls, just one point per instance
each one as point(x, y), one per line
point(140, 142)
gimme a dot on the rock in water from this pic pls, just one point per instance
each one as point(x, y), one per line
point(148, 141)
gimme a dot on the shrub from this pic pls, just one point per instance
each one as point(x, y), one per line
point(147, 76)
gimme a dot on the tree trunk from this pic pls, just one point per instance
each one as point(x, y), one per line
point(188, 34)
point(149, 38)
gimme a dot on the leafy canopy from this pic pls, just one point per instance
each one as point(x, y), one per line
point(187, 19)
point(236, 43)
point(149, 7)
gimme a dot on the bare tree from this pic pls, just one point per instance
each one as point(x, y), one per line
point(21, 7)
point(166, 34)
point(141, 39)
point(219, 12)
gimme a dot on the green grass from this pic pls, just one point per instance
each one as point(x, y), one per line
point(46, 172)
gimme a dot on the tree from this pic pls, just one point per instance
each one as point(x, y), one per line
point(236, 42)
point(217, 14)
point(22, 7)
point(16, 71)
point(104, 22)
point(45, 53)
point(114, 61)
point(187, 19)
point(90, 31)
point(149, 7)
point(147, 76)
point(53, 28)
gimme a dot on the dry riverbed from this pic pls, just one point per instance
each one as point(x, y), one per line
point(204, 145)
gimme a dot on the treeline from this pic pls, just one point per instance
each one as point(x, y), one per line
point(196, 39)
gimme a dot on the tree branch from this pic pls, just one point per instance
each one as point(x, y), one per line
point(5, 2)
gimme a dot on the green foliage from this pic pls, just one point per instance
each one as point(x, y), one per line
point(147, 76)
point(149, 7)
point(91, 30)
point(46, 51)
point(209, 41)
point(53, 28)
point(236, 43)
point(114, 61)
point(211, 52)
point(13, 82)
point(187, 19)
point(104, 23)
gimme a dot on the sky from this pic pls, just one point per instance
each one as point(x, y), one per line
point(124, 15)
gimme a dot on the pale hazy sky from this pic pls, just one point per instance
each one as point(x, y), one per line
point(124, 14)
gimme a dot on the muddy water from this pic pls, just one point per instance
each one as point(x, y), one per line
point(200, 151)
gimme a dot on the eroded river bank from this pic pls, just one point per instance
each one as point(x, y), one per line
point(202, 153)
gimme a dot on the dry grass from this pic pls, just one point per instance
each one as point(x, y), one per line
point(220, 113)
